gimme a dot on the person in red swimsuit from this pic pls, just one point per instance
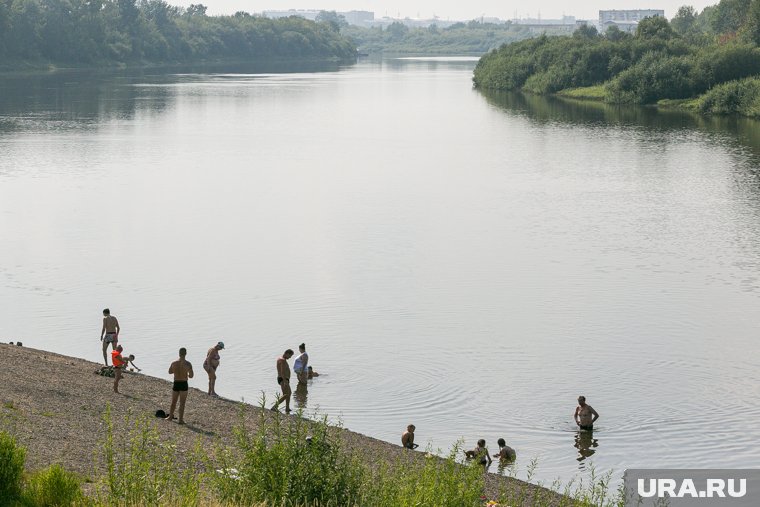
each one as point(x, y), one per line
point(118, 363)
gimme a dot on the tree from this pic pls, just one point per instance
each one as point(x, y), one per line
point(752, 26)
point(729, 16)
point(684, 20)
point(397, 30)
point(331, 18)
point(196, 10)
point(615, 34)
point(655, 27)
point(585, 32)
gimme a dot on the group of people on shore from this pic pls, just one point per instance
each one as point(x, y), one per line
point(182, 369)
point(585, 416)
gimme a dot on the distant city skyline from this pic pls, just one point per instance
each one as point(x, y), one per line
point(473, 9)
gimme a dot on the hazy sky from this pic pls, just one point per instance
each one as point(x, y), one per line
point(450, 9)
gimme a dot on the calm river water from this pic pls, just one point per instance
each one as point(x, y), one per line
point(468, 262)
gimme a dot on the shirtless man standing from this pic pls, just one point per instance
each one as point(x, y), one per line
point(182, 370)
point(109, 333)
point(283, 378)
point(585, 415)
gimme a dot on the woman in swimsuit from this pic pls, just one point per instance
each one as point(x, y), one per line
point(211, 364)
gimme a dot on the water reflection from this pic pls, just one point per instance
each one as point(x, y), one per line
point(586, 445)
point(549, 110)
point(301, 396)
point(84, 98)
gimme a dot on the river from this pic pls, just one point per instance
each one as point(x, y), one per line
point(464, 261)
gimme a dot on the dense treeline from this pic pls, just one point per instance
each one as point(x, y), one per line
point(680, 59)
point(472, 37)
point(120, 31)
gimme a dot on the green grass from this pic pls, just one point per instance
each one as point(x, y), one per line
point(283, 462)
point(685, 104)
point(597, 92)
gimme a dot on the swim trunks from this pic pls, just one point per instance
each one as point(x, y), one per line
point(587, 428)
point(179, 385)
point(109, 338)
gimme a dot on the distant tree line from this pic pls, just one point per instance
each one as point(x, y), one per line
point(123, 31)
point(472, 37)
point(678, 59)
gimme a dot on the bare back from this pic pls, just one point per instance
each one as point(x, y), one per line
point(110, 324)
point(181, 369)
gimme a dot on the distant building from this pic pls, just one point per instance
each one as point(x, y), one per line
point(537, 26)
point(624, 26)
point(566, 20)
point(360, 18)
point(312, 15)
point(626, 20)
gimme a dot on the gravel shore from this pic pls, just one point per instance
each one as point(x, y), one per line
point(54, 405)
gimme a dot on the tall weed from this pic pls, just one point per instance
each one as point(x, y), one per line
point(53, 487)
point(12, 457)
point(288, 461)
point(141, 469)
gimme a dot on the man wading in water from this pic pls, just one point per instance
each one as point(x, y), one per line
point(109, 333)
point(182, 370)
point(585, 415)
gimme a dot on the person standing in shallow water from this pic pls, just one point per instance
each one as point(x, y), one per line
point(182, 370)
point(506, 454)
point(301, 364)
point(585, 416)
point(109, 333)
point(211, 364)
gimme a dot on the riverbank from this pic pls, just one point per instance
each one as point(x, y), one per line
point(735, 98)
point(54, 406)
point(270, 64)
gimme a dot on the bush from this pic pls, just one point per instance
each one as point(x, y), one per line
point(279, 465)
point(736, 97)
point(12, 458)
point(53, 487)
point(653, 78)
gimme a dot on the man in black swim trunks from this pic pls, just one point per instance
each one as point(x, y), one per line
point(182, 370)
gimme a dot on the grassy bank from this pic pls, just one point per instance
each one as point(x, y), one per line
point(739, 97)
point(109, 449)
point(708, 62)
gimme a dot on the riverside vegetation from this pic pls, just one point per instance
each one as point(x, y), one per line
point(707, 62)
point(112, 32)
point(284, 462)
